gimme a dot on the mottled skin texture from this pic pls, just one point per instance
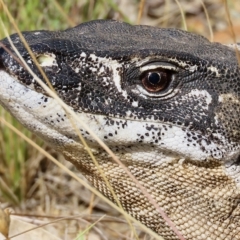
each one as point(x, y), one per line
point(181, 142)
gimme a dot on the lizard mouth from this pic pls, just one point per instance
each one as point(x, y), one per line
point(34, 110)
point(44, 116)
point(29, 103)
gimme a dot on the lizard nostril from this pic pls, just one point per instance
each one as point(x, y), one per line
point(47, 60)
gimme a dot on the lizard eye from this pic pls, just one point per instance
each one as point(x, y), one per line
point(156, 80)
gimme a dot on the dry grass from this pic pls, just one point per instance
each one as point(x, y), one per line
point(35, 188)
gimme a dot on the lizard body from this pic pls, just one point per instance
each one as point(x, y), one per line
point(165, 101)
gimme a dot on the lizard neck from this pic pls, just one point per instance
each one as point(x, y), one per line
point(199, 191)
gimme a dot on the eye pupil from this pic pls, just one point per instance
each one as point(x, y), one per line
point(157, 80)
point(154, 78)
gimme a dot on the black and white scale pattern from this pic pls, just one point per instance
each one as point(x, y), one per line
point(185, 137)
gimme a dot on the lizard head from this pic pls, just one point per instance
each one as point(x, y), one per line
point(155, 97)
point(137, 87)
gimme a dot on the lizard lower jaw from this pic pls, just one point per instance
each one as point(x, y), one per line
point(31, 108)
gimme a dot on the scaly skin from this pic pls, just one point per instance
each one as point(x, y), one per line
point(177, 131)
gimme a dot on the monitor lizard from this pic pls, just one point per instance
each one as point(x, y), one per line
point(165, 101)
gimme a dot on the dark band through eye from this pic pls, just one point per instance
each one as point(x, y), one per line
point(156, 80)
